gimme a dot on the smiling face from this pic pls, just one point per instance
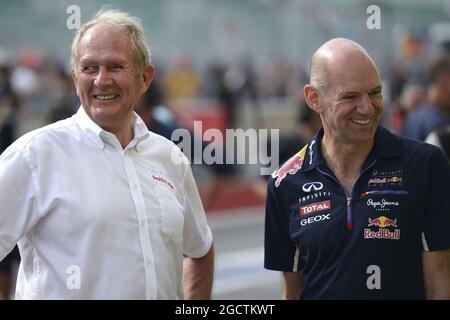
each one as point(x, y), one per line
point(353, 101)
point(347, 93)
point(106, 78)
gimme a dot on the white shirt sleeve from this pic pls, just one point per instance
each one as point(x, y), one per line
point(18, 196)
point(197, 236)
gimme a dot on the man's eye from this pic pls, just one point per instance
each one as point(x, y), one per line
point(375, 93)
point(88, 69)
point(350, 97)
point(116, 67)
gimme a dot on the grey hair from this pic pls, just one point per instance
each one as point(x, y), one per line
point(139, 48)
point(318, 75)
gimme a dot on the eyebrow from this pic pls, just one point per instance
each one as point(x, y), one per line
point(380, 87)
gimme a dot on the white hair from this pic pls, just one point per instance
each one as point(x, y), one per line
point(139, 48)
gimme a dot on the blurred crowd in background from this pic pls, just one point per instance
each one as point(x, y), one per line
point(231, 88)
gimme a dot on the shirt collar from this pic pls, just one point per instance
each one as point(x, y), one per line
point(101, 137)
point(386, 145)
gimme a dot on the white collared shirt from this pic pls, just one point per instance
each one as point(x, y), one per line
point(94, 220)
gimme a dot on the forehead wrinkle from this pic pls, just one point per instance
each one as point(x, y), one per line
point(104, 37)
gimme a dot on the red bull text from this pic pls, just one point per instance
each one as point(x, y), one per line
point(382, 223)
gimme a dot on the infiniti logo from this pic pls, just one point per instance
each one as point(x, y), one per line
point(316, 186)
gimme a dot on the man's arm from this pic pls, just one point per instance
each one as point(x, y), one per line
point(198, 276)
point(293, 285)
point(436, 272)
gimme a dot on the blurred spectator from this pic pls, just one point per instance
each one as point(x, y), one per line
point(8, 110)
point(59, 110)
point(8, 269)
point(24, 78)
point(8, 132)
point(152, 110)
point(8, 119)
point(412, 96)
point(307, 124)
point(160, 120)
point(397, 80)
point(58, 87)
point(441, 138)
point(182, 82)
point(227, 86)
point(435, 113)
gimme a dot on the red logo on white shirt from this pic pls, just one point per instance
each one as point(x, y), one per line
point(161, 179)
point(314, 207)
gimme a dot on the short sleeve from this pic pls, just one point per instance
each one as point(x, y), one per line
point(279, 248)
point(436, 224)
point(197, 236)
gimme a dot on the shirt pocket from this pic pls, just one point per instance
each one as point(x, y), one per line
point(172, 221)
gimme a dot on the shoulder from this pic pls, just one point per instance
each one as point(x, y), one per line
point(161, 143)
point(37, 145)
point(416, 151)
point(44, 136)
point(166, 153)
point(416, 147)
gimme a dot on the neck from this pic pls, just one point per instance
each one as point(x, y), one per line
point(345, 159)
point(125, 136)
point(123, 132)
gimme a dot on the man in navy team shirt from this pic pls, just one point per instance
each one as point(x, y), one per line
point(358, 213)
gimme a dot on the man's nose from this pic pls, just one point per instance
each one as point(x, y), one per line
point(102, 78)
point(365, 105)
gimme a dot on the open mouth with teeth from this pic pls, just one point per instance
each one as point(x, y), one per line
point(106, 97)
point(360, 121)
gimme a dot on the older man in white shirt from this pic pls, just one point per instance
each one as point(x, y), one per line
point(102, 208)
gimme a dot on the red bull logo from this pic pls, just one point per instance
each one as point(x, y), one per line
point(395, 180)
point(290, 167)
point(382, 223)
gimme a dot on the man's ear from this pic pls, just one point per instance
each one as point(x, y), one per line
point(147, 75)
point(75, 82)
point(312, 96)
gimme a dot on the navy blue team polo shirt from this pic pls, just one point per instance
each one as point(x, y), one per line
point(367, 244)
